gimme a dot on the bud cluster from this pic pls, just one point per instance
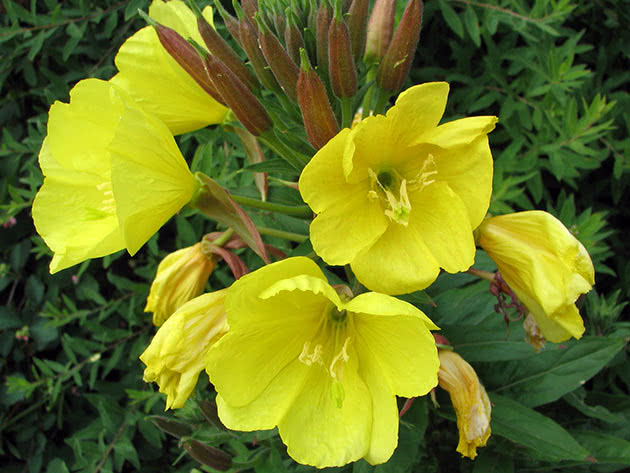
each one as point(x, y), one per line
point(322, 60)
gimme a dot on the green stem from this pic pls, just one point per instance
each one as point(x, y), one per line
point(296, 237)
point(382, 97)
point(367, 99)
point(302, 211)
point(441, 346)
point(225, 236)
point(482, 274)
point(346, 112)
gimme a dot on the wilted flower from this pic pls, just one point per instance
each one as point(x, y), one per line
point(322, 367)
point(113, 175)
point(181, 276)
point(469, 399)
point(405, 193)
point(156, 81)
point(545, 266)
point(178, 350)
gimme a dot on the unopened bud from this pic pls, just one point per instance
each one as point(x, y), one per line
point(293, 36)
point(188, 58)
point(171, 426)
point(324, 16)
point(250, 7)
point(207, 455)
point(219, 48)
point(341, 67)
point(357, 24)
point(397, 62)
point(380, 29)
point(231, 23)
point(249, 43)
point(284, 69)
point(319, 119)
point(238, 97)
point(279, 22)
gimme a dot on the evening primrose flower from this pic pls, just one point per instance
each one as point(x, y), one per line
point(470, 401)
point(178, 350)
point(181, 276)
point(113, 176)
point(405, 193)
point(322, 367)
point(545, 266)
point(156, 81)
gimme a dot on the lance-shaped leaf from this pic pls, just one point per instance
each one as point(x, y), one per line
point(526, 427)
point(216, 203)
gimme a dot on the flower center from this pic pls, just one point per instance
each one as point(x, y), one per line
point(329, 348)
point(392, 189)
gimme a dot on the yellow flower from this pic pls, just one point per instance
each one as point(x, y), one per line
point(155, 80)
point(469, 399)
point(181, 276)
point(113, 176)
point(178, 351)
point(545, 266)
point(324, 368)
point(405, 193)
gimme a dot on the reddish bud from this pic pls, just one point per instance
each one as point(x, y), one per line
point(231, 23)
point(219, 48)
point(207, 455)
point(324, 16)
point(249, 43)
point(238, 97)
point(284, 69)
point(188, 58)
point(395, 66)
point(293, 36)
point(250, 7)
point(357, 24)
point(341, 67)
point(380, 29)
point(319, 119)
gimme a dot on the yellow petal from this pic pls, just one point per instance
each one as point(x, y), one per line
point(319, 432)
point(417, 109)
point(155, 80)
point(457, 133)
point(399, 262)
point(468, 170)
point(413, 374)
point(374, 303)
point(441, 218)
point(150, 178)
point(267, 410)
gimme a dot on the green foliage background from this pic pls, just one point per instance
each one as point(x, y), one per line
point(554, 71)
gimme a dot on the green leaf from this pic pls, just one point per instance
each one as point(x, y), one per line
point(596, 412)
point(605, 448)
point(451, 18)
point(551, 374)
point(531, 429)
point(472, 25)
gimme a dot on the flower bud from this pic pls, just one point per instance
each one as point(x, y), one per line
point(343, 73)
point(470, 401)
point(177, 353)
point(207, 455)
point(219, 48)
point(231, 23)
point(357, 24)
point(293, 36)
point(250, 7)
point(249, 43)
point(319, 119)
point(181, 276)
point(284, 69)
point(187, 57)
point(324, 16)
point(238, 97)
point(171, 426)
point(380, 29)
point(395, 66)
